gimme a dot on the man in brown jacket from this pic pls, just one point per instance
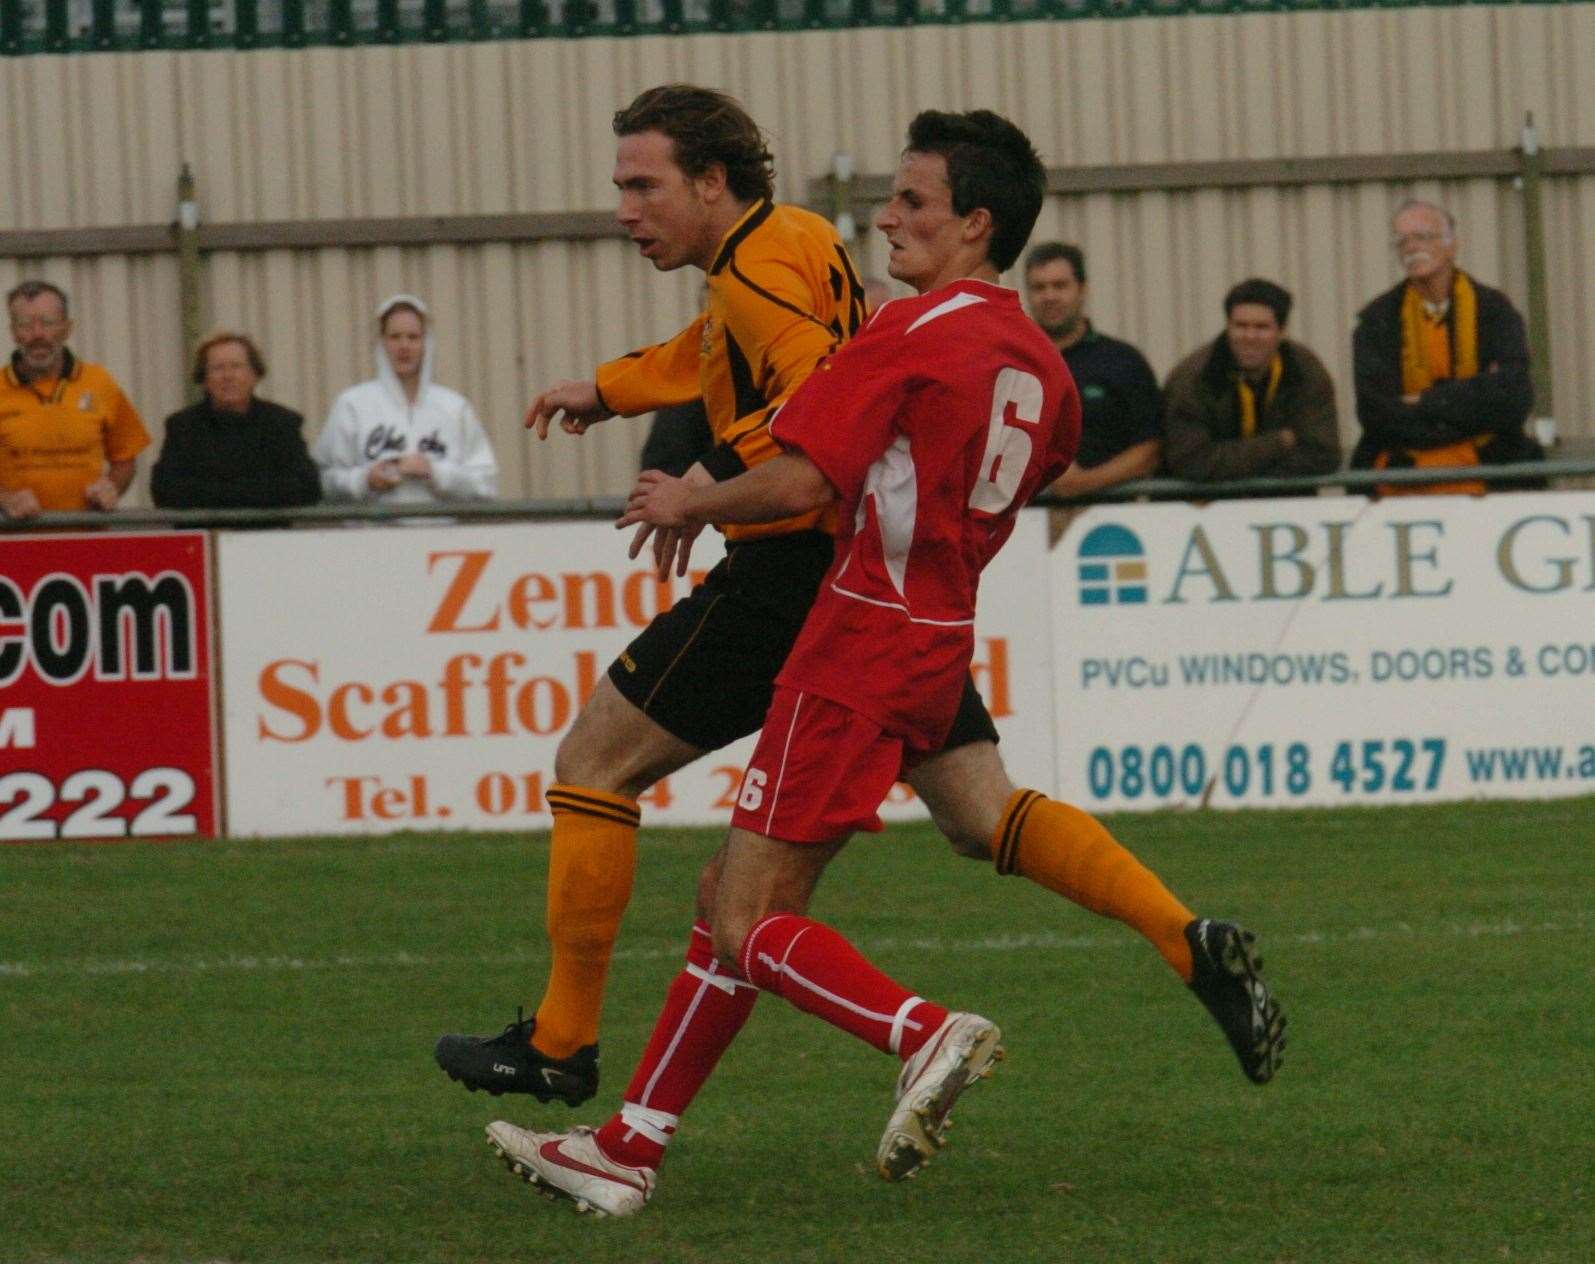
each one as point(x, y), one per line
point(1251, 404)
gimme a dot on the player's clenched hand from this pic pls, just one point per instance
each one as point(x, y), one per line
point(656, 494)
point(657, 500)
point(672, 543)
point(675, 543)
point(637, 514)
point(578, 401)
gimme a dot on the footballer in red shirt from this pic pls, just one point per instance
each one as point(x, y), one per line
point(958, 410)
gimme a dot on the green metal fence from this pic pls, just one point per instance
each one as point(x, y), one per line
point(1566, 474)
point(59, 26)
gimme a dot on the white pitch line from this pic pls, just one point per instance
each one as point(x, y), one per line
point(94, 967)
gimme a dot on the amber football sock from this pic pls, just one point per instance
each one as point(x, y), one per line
point(1068, 851)
point(591, 861)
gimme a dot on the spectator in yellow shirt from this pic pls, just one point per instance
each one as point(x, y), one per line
point(68, 436)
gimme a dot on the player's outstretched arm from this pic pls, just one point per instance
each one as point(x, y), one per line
point(782, 487)
point(579, 401)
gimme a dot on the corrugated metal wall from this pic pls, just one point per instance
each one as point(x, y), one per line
point(97, 140)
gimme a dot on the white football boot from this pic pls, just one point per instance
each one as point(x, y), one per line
point(570, 1165)
point(962, 1050)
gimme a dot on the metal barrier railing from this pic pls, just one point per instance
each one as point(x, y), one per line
point(1351, 481)
point(61, 26)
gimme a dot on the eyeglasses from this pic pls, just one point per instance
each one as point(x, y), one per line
point(1420, 239)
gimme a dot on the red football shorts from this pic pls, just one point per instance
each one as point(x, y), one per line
point(818, 773)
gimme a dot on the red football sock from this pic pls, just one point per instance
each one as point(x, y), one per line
point(703, 1011)
point(822, 974)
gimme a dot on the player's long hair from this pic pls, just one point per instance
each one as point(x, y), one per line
point(990, 163)
point(707, 127)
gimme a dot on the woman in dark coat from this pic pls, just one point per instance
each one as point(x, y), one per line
point(233, 450)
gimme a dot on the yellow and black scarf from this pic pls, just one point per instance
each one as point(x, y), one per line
point(1419, 370)
point(1434, 350)
point(1248, 396)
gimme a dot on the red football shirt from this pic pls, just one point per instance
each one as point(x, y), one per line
point(936, 424)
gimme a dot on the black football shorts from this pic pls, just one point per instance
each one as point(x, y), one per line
point(705, 669)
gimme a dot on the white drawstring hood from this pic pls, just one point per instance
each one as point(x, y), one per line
point(375, 421)
point(386, 374)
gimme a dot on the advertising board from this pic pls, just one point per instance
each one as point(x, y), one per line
point(421, 677)
point(1326, 651)
point(106, 718)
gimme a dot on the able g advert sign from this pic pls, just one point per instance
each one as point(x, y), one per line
point(106, 727)
point(1327, 650)
point(422, 677)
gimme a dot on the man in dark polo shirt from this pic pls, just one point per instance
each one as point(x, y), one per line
point(1121, 437)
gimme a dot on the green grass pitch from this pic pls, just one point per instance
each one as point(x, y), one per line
point(222, 1052)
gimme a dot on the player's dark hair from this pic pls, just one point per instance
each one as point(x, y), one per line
point(990, 164)
point(1264, 293)
point(1051, 251)
point(32, 289)
point(707, 127)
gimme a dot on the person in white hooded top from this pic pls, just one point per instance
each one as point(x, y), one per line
point(401, 438)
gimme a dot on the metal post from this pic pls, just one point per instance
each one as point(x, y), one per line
point(246, 24)
point(293, 23)
point(188, 271)
point(57, 24)
point(198, 35)
point(10, 26)
point(842, 197)
point(434, 21)
point(103, 24)
point(1544, 424)
point(151, 25)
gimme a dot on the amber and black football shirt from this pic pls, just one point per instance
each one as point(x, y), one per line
point(783, 295)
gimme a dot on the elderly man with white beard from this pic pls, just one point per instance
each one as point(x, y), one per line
point(1441, 363)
